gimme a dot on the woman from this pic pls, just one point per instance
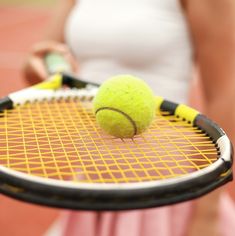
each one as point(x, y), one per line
point(159, 41)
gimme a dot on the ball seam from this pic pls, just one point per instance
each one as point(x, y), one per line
point(121, 112)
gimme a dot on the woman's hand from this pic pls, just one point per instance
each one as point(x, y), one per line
point(34, 68)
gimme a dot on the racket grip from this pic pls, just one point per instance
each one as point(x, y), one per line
point(56, 63)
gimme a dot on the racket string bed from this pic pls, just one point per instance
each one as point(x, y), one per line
point(60, 140)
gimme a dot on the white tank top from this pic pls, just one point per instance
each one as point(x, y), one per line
point(145, 38)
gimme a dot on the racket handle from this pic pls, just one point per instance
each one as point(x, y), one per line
point(56, 63)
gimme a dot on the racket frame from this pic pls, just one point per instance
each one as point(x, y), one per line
point(119, 196)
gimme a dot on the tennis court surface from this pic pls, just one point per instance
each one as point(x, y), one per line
point(20, 27)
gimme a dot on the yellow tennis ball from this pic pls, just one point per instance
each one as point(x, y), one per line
point(124, 106)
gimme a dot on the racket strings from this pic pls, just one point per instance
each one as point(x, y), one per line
point(61, 140)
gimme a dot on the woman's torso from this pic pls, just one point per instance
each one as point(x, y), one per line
point(146, 38)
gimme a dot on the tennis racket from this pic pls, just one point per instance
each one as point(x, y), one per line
point(53, 153)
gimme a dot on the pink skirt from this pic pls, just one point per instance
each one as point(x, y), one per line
point(163, 221)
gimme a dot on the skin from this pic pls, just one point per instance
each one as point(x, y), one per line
point(212, 26)
point(34, 69)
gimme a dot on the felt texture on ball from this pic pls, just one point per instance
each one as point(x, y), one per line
point(124, 106)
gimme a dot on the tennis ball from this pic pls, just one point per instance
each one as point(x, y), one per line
point(124, 106)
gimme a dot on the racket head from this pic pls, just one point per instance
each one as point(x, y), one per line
point(86, 169)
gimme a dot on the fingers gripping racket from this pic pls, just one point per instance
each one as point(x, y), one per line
point(53, 153)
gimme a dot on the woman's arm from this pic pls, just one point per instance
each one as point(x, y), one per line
point(55, 29)
point(53, 41)
point(212, 24)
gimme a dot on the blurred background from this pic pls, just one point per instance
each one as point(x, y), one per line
point(22, 23)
